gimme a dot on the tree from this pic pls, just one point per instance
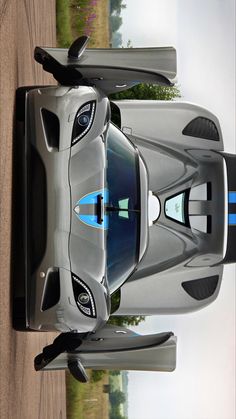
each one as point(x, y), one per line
point(126, 320)
point(116, 39)
point(116, 6)
point(129, 44)
point(116, 22)
point(115, 414)
point(114, 373)
point(145, 91)
point(117, 397)
point(97, 375)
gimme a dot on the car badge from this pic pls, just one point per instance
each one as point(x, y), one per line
point(83, 298)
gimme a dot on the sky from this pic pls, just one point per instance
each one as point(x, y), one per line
point(203, 384)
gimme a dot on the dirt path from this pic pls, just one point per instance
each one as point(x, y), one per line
point(24, 394)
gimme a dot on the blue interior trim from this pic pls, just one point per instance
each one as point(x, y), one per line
point(232, 219)
point(232, 197)
point(91, 220)
point(91, 198)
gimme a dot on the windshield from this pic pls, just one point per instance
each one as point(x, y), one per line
point(123, 209)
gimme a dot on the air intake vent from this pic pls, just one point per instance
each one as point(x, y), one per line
point(202, 128)
point(37, 209)
point(52, 290)
point(115, 114)
point(115, 301)
point(200, 289)
point(52, 128)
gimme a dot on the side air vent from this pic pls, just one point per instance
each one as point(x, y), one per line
point(115, 301)
point(115, 114)
point(52, 290)
point(51, 127)
point(108, 114)
point(202, 128)
point(200, 289)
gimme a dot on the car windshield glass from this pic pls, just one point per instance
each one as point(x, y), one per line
point(123, 207)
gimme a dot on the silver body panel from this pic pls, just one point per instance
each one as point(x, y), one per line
point(111, 70)
point(116, 348)
point(170, 163)
point(176, 252)
point(63, 230)
point(163, 122)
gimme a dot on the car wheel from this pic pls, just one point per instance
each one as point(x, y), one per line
point(19, 321)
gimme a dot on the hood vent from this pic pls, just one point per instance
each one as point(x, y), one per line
point(202, 128)
point(200, 289)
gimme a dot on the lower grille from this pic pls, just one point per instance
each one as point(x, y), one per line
point(37, 209)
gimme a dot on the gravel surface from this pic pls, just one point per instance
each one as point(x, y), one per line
point(24, 394)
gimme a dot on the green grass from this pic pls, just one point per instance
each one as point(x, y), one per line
point(86, 401)
point(63, 18)
point(82, 17)
point(71, 16)
point(75, 393)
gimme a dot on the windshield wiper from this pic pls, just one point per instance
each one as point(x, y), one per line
point(110, 208)
point(100, 208)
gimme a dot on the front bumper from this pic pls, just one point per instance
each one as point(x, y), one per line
point(45, 209)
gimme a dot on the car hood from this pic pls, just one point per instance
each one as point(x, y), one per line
point(87, 238)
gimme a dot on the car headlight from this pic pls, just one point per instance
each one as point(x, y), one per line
point(83, 297)
point(83, 121)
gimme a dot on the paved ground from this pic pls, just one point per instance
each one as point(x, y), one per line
point(24, 394)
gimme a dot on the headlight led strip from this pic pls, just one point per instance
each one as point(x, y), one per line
point(90, 296)
point(90, 122)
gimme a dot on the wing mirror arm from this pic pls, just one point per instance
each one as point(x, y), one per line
point(77, 47)
point(77, 370)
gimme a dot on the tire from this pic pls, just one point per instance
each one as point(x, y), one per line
point(19, 314)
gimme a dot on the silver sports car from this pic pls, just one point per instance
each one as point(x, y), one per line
point(86, 231)
point(80, 189)
point(145, 210)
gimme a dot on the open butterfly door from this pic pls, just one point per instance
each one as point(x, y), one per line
point(115, 347)
point(111, 70)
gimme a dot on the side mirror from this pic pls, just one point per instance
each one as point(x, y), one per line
point(77, 47)
point(77, 370)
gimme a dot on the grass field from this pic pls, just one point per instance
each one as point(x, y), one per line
point(83, 17)
point(87, 401)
